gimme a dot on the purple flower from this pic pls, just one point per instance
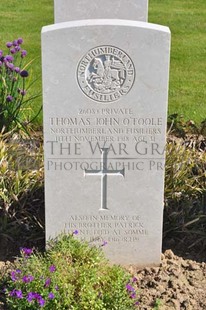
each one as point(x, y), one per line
point(18, 271)
point(134, 279)
point(13, 276)
point(41, 302)
point(10, 66)
point(1, 53)
point(19, 40)
point(9, 98)
point(16, 293)
point(37, 296)
point(22, 92)
point(56, 288)
point(75, 232)
point(27, 279)
point(15, 43)
point(52, 268)
point(133, 295)
point(104, 243)
point(17, 48)
point(8, 58)
point(12, 293)
point(26, 251)
point(12, 50)
point(130, 288)
point(19, 294)
point(23, 53)
point(30, 296)
point(24, 73)
point(47, 282)
point(17, 69)
point(51, 295)
point(9, 44)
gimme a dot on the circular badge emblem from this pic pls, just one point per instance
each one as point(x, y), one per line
point(105, 74)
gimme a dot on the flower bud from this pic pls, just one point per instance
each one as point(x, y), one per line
point(9, 58)
point(24, 73)
point(9, 98)
point(12, 50)
point(17, 69)
point(15, 43)
point(19, 40)
point(23, 53)
point(9, 44)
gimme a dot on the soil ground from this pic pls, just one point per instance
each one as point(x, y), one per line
point(176, 284)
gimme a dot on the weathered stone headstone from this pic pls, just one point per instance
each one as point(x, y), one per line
point(68, 10)
point(105, 109)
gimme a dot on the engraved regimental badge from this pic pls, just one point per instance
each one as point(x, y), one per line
point(105, 74)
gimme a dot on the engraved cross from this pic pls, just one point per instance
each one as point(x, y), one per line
point(104, 173)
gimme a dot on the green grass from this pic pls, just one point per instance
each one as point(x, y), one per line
point(186, 19)
point(25, 19)
point(187, 22)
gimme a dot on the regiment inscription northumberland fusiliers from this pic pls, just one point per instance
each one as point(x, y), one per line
point(105, 74)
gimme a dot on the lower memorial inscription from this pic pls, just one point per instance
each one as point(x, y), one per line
point(108, 228)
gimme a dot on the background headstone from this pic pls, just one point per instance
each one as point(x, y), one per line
point(68, 10)
point(105, 112)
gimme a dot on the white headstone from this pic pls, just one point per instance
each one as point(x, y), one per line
point(105, 110)
point(68, 10)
